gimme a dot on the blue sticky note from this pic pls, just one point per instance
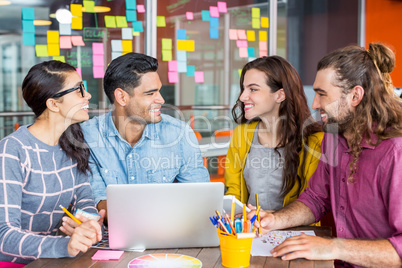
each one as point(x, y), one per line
point(28, 13)
point(213, 33)
point(137, 26)
point(181, 34)
point(251, 51)
point(181, 55)
point(131, 4)
point(28, 26)
point(205, 15)
point(190, 70)
point(28, 39)
point(181, 67)
point(131, 15)
point(214, 22)
point(85, 84)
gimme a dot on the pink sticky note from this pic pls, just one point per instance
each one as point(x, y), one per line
point(140, 9)
point(213, 12)
point(79, 71)
point(65, 42)
point(241, 43)
point(173, 77)
point(232, 34)
point(263, 45)
point(190, 15)
point(97, 49)
point(199, 77)
point(243, 53)
point(172, 66)
point(241, 34)
point(98, 71)
point(263, 53)
point(98, 60)
point(222, 7)
point(106, 255)
point(77, 41)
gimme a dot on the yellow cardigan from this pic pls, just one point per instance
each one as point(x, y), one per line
point(237, 155)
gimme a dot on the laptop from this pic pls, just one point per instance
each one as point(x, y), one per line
point(167, 215)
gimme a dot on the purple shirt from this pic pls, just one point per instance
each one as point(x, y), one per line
point(371, 206)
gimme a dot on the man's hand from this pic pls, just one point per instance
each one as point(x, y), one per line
point(267, 219)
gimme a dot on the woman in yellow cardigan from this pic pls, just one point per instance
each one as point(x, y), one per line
point(276, 146)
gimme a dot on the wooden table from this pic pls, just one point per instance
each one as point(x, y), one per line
point(210, 257)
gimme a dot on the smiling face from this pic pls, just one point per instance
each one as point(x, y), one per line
point(258, 98)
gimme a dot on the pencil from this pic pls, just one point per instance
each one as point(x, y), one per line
point(258, 214)
point(232, 212)
point(70, 215)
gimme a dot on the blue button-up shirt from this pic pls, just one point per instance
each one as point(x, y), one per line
point(167, 151)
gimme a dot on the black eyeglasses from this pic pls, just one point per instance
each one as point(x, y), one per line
point(62, 93)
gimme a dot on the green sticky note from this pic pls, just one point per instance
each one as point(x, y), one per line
point(121, 22)
point(160, 21)
point(166, 43)
point(110, 21)
point(41, 51)
point(167, 55)
point(59, 58)
point(255, 12)
point(255, 23)
point(89, 6)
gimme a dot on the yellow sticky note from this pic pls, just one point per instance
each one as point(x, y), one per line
point(76, 24)
point(76, 10)
point(53, 50)
point(160, 21)
point(187, 45)
point(121, 22)
point(166, 43)
point(89, 6)
point(110, 21)
point(127, 46)
point(255, 23)
point(250, 36)
point(59, 58)
point(53, 37)
point(136, 33)
point(263, 35)
point(239, 70)
point(264, 22)
point(167, 55)
point(41, 51)
point(255, 12)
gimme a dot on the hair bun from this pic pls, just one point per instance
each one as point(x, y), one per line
point(383, 56)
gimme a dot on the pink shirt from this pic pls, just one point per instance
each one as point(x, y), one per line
point(369, 208)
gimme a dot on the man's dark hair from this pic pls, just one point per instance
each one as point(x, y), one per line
point(126, 71)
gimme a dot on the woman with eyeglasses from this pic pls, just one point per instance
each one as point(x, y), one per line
point(45, 165)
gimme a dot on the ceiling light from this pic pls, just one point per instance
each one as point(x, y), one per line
point(4, 3)
point(52, 15)
point(98, 9)
point(42, 22)
point(64, 16)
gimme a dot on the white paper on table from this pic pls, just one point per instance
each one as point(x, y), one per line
point(263, 245)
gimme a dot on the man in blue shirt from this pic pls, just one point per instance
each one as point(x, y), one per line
point(134, 143)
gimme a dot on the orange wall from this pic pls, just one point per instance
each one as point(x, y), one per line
point(384, 24)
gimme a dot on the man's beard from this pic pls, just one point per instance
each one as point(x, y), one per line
point(338, 126)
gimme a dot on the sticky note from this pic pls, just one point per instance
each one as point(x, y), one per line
point(263, 53)
point(98, 49)
point(190, 70)
point(213, 12)
point(255, 12)
point(250, 36)
point(110, 21)
point(232, 34)
point(121, 22)
point(117, 45)
point(241, 34)
point(140, 9)
point(98, 60)
point(255, 23)
point(79, 72)
point(53, 49)
point(89, 6)
point(64, 29)
point(263, 45)
point(264, 22)
point(213, 33)
point(181, 55)
point(172, 66)
point(222, 8)
point(167, 55)
point(173, 77)
point(116, 55)
point(182, 67)
point(60, 58)
point(41, 51)
point(28, 39)
point(98, 71)
point(76, 23)
point(28, 13)
point(199, 77)
point(104, 255)
point(205, 16)
point(53, 37)
point(77, 41)
point(137, 26)
point(263, 35)
point(127, 45)
point(214, 22)
point(76, 10)
point(136, 33)
point(160, 21)
point(187, 45)
point(189, 15)
point(243, 52)
point(131, 4)
point(251, 52)
point(126, 33)
point(65, 42)
point(166, 43)
point(241, 43)
point(28, 26)
point(181, 34)
point(131, 15)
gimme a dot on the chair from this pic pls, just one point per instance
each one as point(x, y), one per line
point(220, 173)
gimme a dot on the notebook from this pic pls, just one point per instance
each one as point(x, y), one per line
point(169, 215)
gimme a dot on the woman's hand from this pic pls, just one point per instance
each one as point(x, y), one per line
point(68, 224)
point(83, 237)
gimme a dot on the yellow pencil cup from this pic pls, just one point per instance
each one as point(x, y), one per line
point(235, 252)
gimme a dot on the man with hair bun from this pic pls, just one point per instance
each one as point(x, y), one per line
point(359, 176)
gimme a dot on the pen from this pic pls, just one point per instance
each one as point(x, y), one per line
point(70, 215)
point(258, 215)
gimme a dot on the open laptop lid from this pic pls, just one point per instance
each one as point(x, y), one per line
point(170, 215)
